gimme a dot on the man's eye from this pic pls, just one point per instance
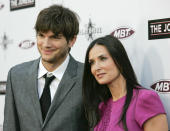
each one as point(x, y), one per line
point(57, 36)
point(40, 35)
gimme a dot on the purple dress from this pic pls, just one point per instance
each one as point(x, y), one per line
point(144, 105)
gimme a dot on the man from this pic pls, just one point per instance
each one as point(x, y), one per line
point(25, 110)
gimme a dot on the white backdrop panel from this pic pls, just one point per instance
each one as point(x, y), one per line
point(149, 57)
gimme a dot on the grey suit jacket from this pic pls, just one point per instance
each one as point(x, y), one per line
point(22, 108)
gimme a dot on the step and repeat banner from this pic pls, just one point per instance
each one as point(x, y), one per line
point(142, 26)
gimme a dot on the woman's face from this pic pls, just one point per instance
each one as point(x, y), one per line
point(103, 67)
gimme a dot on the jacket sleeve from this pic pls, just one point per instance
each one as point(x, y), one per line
point(11, 121)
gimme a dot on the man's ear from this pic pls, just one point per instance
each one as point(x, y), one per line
point(72, 41)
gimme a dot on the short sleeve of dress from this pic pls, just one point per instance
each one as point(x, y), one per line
point(148, 104)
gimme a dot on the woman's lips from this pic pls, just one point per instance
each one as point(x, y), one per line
point(100, 75)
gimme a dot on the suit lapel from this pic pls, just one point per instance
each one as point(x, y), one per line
point(66, 84)
point(33, 84)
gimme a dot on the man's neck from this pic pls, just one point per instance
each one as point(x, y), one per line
point(51, 66)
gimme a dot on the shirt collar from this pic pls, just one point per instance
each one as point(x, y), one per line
point(58, 73)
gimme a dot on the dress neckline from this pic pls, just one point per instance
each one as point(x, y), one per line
point(120, 99)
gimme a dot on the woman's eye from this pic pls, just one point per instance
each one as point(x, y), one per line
point(91, 62)
point(103, 58)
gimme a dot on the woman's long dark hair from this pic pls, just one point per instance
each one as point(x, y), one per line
point(94, 93)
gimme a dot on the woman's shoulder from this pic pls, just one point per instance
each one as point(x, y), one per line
point(145, 93)
point(148, 100)
point(148, 104)
point(147, 97)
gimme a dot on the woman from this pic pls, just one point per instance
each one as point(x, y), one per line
point(113, 98)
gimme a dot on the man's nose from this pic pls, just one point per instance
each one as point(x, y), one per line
point(46, 42)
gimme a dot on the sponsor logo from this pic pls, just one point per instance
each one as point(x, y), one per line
point(1, 6)
point(90, 31)
point(20, 4)
point(26, 44)
point(159, 29)
point(2, 87)
point(5, 41)
point(162, 86)
point(123, 32)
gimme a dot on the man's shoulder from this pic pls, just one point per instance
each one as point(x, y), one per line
point(76, 66)
point(80, 65)
point(74, 61)
point(24, 65)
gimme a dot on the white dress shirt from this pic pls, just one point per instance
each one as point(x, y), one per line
point(58, 73)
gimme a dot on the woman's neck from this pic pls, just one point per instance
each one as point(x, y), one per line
point(118, 88)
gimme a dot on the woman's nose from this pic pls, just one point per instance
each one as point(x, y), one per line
point(97, 66)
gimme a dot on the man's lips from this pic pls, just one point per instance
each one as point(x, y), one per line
point(47, 52)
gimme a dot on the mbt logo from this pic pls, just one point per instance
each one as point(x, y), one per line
point(162, 86)
point(122, 32)
point(26, 44)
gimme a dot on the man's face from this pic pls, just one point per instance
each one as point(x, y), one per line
point(53, 49)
